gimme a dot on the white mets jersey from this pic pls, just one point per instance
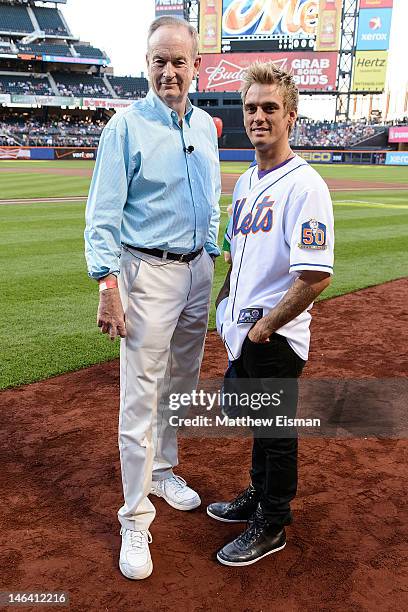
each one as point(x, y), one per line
point(281, 225)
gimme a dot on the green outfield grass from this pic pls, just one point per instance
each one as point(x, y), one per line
point(34, 185)
point(48, 323)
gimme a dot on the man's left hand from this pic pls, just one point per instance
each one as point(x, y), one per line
point(261, 331)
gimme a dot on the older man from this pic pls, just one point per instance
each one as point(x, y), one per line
point(153, 203)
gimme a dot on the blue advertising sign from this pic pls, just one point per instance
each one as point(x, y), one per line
point(397, 158)
point(374, 27)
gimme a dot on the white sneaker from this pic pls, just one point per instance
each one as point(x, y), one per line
point(135, 561)
point(176, 493)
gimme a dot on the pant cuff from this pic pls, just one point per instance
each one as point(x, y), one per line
point(162, 475)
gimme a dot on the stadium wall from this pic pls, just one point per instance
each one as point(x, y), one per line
point(322, 156)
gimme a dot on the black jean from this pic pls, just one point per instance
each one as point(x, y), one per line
point(274, 459)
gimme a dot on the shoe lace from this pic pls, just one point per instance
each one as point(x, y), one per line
point(255, 525)
point(243, 495)
point(177, 482)
point(138, 539)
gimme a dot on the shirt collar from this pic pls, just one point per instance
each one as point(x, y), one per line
point(167, 114)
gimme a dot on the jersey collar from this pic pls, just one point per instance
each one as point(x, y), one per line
point(166, 114)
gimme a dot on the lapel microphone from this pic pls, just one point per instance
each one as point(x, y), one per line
point(188, 149)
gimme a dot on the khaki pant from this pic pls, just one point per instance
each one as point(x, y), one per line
point(166, 307)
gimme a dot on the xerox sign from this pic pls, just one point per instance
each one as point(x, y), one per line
point(311, 71)
point(374, 29)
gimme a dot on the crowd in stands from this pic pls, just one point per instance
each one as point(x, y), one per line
point(25, 86)
point(77, 133)
point(96, 89)
point(129, 87)
point(309, 133)
point(64, 133)
point(71, 84)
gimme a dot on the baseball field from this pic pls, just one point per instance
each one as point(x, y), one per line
point(48, 323)
point(60, 483)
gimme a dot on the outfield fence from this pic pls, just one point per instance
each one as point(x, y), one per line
point(323, 156)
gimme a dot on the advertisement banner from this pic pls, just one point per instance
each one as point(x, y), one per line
point(328, 26)
point(14, 153)
point(370, 70)
point(105, 103)
point(376, 4)
point(74, 153)
point(210, 26)
point(41, 153)
point(259, 18)
point(374, 30)
point(311, 71)
point(24, 100)
point(317, 157)
point(71, 60)
point(175, 8)
point(398, 134)
point(398, 158)
point(5, 98)
point(45, 100)
point(57, 101)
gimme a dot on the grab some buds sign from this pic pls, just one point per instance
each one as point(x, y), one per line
point(311, 71)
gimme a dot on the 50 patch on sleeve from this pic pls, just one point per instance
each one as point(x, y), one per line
point(313, 235)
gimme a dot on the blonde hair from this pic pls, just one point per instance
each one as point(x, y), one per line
point(175, 22)
point(267, 73)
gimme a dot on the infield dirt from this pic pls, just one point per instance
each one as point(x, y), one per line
point(60, 488)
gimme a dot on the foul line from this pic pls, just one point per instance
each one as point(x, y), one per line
point(366, 204)
point(40, 200)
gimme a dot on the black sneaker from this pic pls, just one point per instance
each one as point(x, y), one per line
point(258, 541)
point(237, 511)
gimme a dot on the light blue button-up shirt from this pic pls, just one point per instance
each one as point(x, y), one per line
point(146, 191)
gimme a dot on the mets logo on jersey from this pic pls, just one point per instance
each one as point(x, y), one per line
point(313, 235)
point(261, 219)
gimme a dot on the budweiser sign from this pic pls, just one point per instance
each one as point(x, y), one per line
point(311, 71)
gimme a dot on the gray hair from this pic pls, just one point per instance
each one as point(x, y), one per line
point(175, 22)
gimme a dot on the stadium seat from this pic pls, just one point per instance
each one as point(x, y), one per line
point(89, 51)
point(129, 87)
point(81, 85)
point(25, 85)
point(46, 49)
point(15, 19)
point(49, 20)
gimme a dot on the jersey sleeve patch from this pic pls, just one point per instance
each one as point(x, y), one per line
point(313, 235)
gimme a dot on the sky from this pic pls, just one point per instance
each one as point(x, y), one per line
point(120, 27)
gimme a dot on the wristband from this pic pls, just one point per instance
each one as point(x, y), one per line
point(108, 284)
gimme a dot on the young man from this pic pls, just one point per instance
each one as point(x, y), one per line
point(281, 235)
point(154, 202)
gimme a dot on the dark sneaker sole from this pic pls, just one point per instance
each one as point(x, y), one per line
point(225, 520)
point(243, 563)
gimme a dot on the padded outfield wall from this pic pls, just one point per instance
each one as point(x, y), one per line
point(314, 156)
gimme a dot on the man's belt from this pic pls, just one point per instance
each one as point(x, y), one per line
point(184, 257)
